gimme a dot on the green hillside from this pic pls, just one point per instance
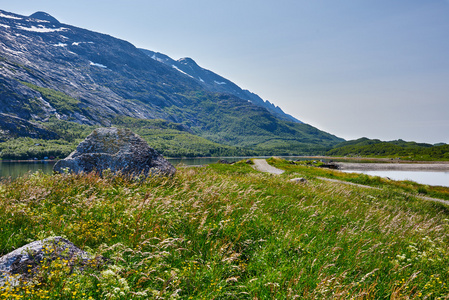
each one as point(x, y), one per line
point(365, 147)
point(170, 139)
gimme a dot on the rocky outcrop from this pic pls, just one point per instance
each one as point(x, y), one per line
point(24, 262)
point(117, 150)
point(14, 127)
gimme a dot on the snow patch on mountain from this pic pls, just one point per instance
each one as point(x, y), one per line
point(60, 45)
point(41, 29)
point(157, 58)
point(218, 82)
point(10, 17)
point(79, 43)
point(176, 68)
point(98, 65)
point(6, 26)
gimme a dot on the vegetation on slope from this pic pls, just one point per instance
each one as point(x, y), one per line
point(229, 232)
point(176, 140)
point(70, 135)
point(185, 140)
point(60, 101)
point(228, 120)
point(375, 148)
point(170, 139)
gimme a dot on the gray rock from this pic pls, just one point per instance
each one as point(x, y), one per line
point(23, 262)
point(119, 150)
point(223, 161)
point(299, 180)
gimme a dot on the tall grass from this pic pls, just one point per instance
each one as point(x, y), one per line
point(228, 232)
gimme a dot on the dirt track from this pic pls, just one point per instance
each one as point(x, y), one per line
point(262, 166)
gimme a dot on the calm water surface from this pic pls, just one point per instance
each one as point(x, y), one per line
point(423, 177)
point(15, 169)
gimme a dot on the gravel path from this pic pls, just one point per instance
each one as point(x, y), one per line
point(262, 166)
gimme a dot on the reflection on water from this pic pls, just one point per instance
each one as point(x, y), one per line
point(16, 169)
point(423, 177)
point(202, 160)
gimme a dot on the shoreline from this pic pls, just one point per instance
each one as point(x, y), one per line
point(371, 160)
point(434, 166)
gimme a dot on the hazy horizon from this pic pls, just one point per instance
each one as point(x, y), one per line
point(354, 69)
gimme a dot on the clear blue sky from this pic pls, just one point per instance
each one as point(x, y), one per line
point(354, 68)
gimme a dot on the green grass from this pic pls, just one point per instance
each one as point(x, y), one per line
point(229, 232)
point(60, 101)
point(375, 181)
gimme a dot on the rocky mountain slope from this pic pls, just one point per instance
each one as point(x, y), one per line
point(49, 69)
point(216, 83)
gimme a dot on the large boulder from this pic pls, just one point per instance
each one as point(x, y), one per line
point(22, 263)
point(119, 150)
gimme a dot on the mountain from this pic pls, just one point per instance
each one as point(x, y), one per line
point(215, 83)
point(50, 70)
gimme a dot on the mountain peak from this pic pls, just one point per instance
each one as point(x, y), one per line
point(44, 16)
point(187, 61)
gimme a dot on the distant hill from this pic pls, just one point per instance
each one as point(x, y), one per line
point(365, 147)
point(53, 70)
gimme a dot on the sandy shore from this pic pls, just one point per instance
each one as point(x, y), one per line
point(442, 166)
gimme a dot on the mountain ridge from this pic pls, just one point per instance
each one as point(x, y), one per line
point(217, 83)
point(50, 69)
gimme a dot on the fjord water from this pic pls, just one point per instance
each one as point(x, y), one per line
point(423, 177)
point(15, 169)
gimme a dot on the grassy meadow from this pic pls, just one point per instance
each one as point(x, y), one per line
point(230, 232)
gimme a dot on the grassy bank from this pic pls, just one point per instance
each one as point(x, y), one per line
point(229, 232)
